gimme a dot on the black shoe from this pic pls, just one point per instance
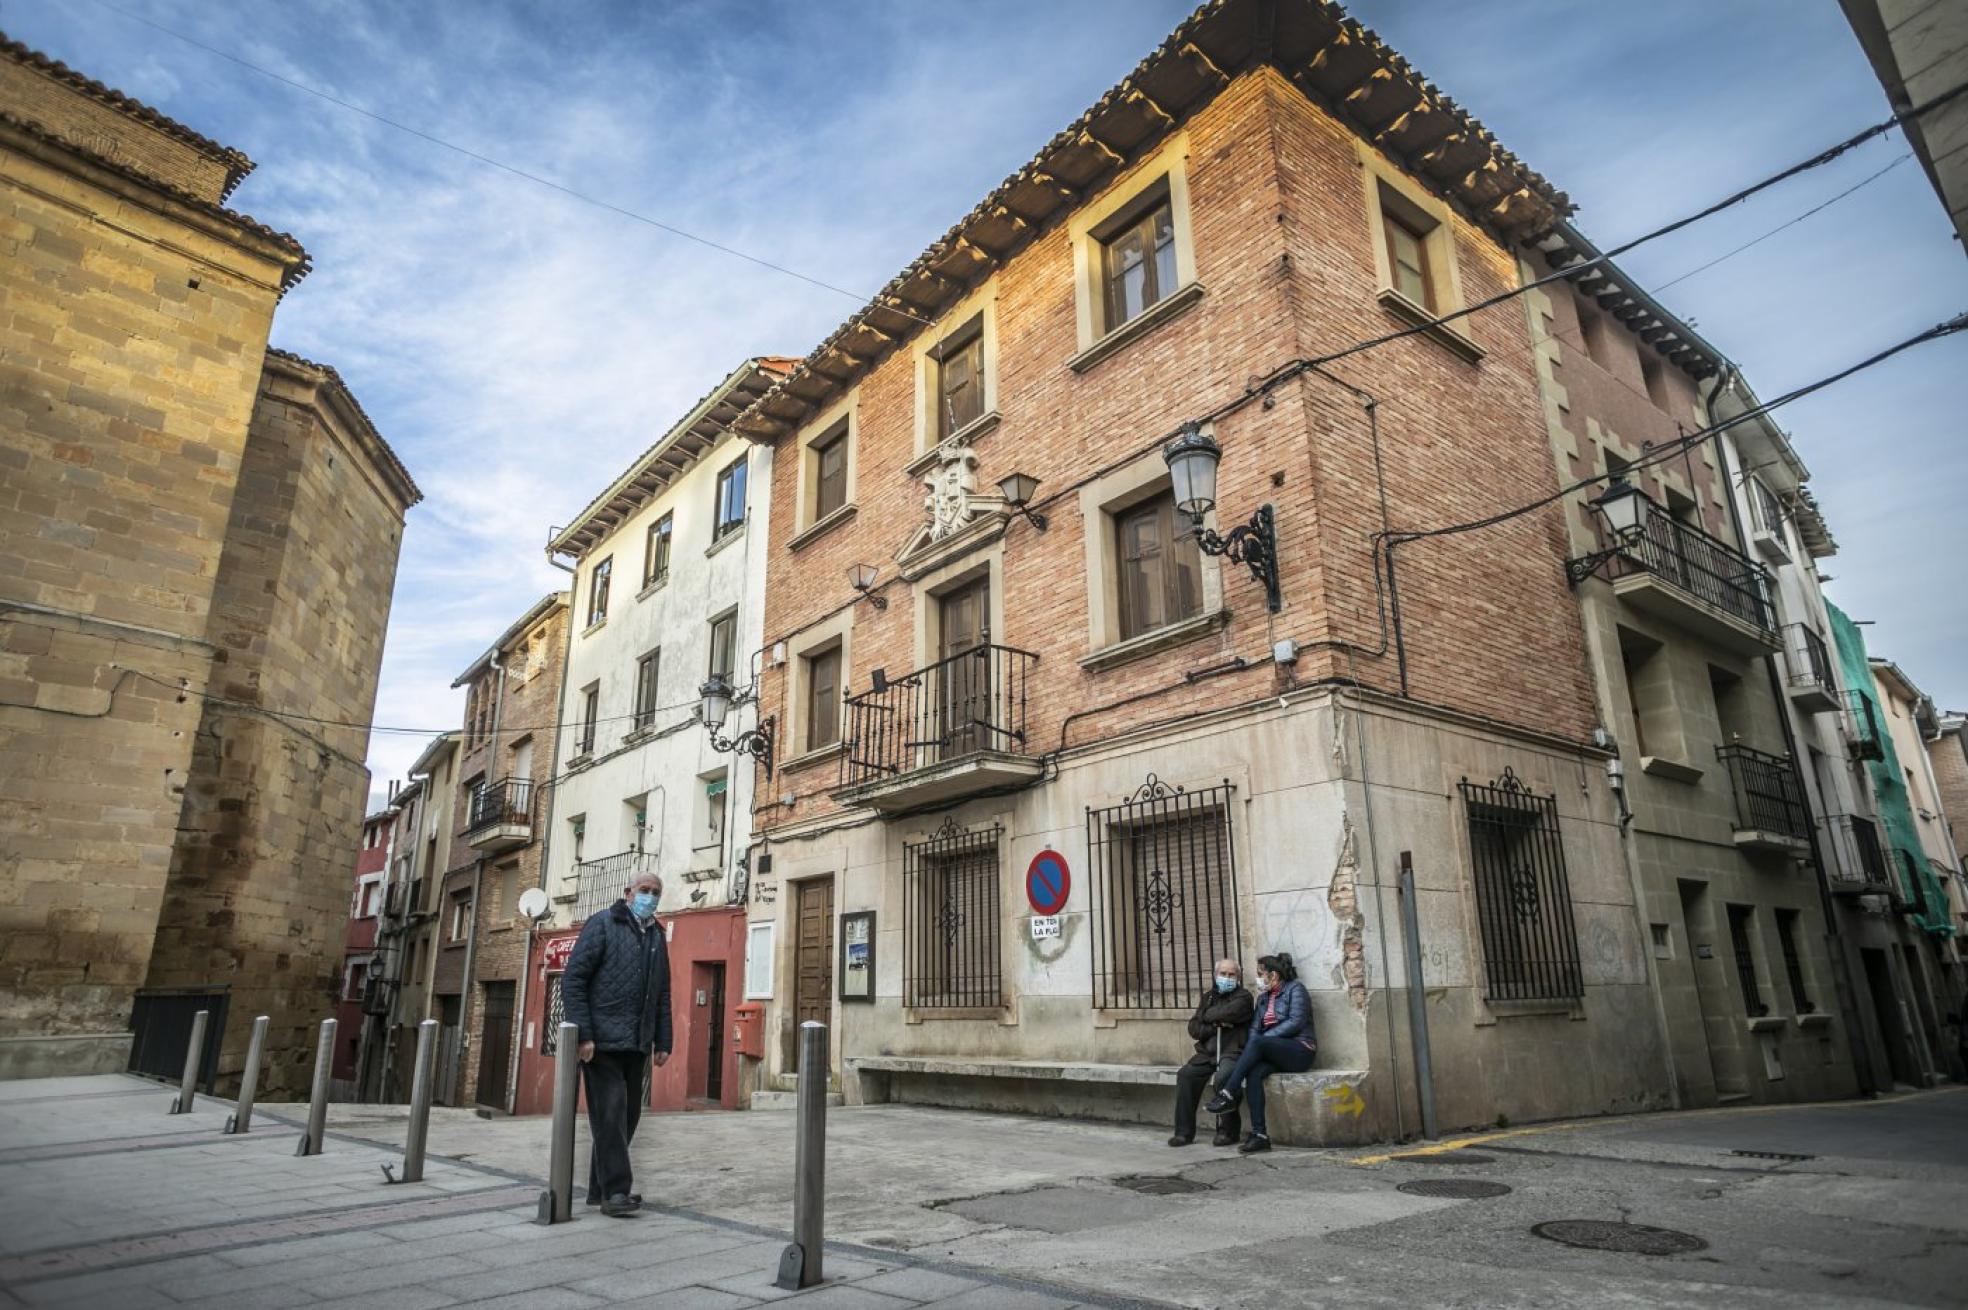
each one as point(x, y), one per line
point(635, 1198)
point(1181, 1139)
point(1221, 1102)
point(1223, 1139)
point(1254, 1143)
point(622, 1206)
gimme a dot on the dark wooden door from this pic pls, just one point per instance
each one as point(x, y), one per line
point(813, 958)
point(714, 1061)
point(495, 1044)
point(964, 619)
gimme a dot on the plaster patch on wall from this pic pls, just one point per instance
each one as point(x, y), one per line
point(1342, 898)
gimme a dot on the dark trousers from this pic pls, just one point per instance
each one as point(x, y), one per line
point(1190, 1081)
point(617, 1084)
point(1262, 1058)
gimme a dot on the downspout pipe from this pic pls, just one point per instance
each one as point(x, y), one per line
point(1842, 981)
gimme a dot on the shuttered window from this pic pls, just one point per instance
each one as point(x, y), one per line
point(1159, 568)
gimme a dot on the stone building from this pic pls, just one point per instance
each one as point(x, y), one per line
point(497, 848)
point(669, 564)
point(181, 507)
point(426, 815)
point(1079, 757)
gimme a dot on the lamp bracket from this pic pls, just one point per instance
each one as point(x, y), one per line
point(755, 742)
point(1253, 544)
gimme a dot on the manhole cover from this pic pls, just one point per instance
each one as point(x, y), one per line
point(1453, 1189)
point(1631, 1239)
point(1448, 1157)
point(1774, 1155)
point(1161, 1184)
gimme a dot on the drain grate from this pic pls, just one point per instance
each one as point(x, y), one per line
point(1161, 1184)
point(1453, 1189)
point(1448, 1157)
point(1629, 1239)
point(1787, 1156)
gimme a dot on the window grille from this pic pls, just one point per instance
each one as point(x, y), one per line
point(1793, 965)
point(1523, 894)
point(1745, 961)
point(1165, 899)
point(951, 917)
point(556, 1014)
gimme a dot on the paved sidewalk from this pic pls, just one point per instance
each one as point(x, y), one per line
point(106, 1199)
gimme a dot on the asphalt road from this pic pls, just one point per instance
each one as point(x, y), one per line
point(1853, 1203)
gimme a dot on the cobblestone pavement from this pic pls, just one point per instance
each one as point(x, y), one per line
point(106, 1199)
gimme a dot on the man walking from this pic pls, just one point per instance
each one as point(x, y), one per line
point(616, 990)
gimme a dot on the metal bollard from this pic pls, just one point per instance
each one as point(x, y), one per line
point(557, 1202)
point(799, 1263)
point(324, 1063)
point(420, 1103)
point(249, 1080)
point(194, 1056)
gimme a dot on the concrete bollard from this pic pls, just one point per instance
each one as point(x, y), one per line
point(194, 1056)
point(324, 1064)
point(800, 1263)
point(420, 1103)
point(557, 1202)
point(249, 1080)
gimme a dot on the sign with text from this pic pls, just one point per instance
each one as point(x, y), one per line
point(1044, 926)
point(554, 952)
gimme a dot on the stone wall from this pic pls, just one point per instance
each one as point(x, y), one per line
point(136, 319)
point(258, 890)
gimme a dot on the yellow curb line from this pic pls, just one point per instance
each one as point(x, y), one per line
point(1457, 1144)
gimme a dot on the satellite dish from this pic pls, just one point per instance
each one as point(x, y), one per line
point(533, 903)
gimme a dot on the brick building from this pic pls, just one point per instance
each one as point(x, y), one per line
point(188, 516)
point(368, 894)
point(426, 816)
point(1066, 680)
point(498, 845)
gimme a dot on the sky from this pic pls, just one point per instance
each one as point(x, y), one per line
point(518, 347)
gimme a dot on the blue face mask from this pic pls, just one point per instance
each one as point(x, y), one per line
point(1225, 984)
point(642, 904)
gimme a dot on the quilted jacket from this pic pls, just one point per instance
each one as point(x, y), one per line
point(616, 988)
point(1294, 1015)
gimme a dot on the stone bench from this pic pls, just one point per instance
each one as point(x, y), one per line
point(1325, 1107)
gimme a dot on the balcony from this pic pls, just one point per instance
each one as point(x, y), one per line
point(1770, 811)
point(1681, 575)
point(500, 816)
point(599, 883)
point(1860, 726)
point(1860, 866)
point(949, 730)
point(1766, 524)
point(1807, 670)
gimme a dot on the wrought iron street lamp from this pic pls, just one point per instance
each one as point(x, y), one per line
point(861, 577)
point(1017, 489)
point(1623, 506)
point(718, 701)
point(1192, 458)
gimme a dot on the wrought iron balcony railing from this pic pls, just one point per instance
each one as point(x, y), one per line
point(1861, 864)
point(599, 883)
point(965, 705)
point(507, 803)
point(1770, 808)
point(1688, 559)
point(1864, 734)
point(1807, 669)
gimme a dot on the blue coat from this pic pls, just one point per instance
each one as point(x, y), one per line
point(1294, 1014)
point(616, 988)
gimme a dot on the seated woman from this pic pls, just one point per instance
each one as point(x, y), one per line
point(1280, 1041)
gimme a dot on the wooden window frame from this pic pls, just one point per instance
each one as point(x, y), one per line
point(730, 670)
point(1394, 224)
point(649, 670)
point(656, 551)
point(822, 448)
point(812, 661)
point(1170, 538)
point(966, 340)
point(1138, 214)
point(599, 584)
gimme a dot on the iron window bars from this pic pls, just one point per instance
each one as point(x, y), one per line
point(951, 919)
point(1807, 662)
point(1861, 721)
point(506, 802)
point(600, 882)
point(1753, 1002)
point(961, 705)
point(556, 1011)
point(1769, 795)
point(1523, 893)
point(1165, 900)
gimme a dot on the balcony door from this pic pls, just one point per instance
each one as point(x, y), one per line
point(964, 669)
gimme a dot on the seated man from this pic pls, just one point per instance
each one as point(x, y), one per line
point(1219, 1026)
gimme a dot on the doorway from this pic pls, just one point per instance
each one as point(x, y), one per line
point(1892, 1020)
point(963, 623)
point(813, 958)
point(1709, 956)
point(495, 1045)
point(707, 1043)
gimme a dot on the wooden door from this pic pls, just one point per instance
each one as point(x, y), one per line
point(964, 701)
point(495, 1045)
point(813, 962)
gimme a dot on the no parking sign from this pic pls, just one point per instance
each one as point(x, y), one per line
point(1048, 882)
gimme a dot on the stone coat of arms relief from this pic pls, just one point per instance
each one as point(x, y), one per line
point(952, 495)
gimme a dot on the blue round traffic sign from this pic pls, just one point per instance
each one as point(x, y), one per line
point(1047, 882)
